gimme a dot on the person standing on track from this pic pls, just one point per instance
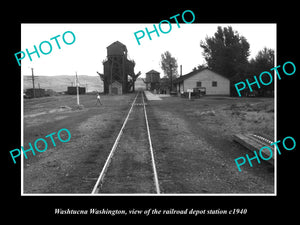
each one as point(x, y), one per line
point(98, 99)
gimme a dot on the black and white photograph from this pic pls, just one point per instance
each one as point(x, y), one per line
point(126, 111)
point(148, 116)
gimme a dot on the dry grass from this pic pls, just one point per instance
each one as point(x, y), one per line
point(193, 148)
point(245, 117)
point(226, 116)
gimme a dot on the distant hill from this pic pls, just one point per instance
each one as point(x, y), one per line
point(139, 84)
point(61, 82)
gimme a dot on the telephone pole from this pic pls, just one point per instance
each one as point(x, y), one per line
point(171, 78)
point(77, 83)
point(33, 82)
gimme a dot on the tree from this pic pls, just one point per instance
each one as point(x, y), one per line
point(200, 67)
point(226, 52)
point(168, 63)
point(263, 61)
point(102, 77)
point(132, 81)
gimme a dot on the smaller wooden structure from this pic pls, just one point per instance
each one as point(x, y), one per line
point(116, 88)
point(35, 92)
point(152, 80)
point(255, 142)
point(73, 90)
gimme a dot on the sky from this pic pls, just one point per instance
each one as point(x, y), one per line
point(86, 54)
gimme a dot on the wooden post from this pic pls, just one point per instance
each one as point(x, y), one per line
point(171, 89)
point(77, 89)
point(33, 82)
point(189, 91)
point(111, 71)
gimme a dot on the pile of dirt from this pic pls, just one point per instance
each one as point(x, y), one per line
point(77, 107)
point(60, 109)
point(208, 113)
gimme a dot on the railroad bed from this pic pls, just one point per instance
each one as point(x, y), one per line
point(130, 166)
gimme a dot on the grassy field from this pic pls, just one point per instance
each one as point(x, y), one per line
point(230, 116)
point(192, 141)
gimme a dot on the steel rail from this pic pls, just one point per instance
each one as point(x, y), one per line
point(102, 174)
point(108, 160)
point(151, 150)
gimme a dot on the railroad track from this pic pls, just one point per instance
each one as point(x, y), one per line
point(130, 166)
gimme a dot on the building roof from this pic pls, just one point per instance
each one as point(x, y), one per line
point(117, 43)
point(153, 71)
point(116, 83)
point(186, 76)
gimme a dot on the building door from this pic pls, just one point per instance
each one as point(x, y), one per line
point(114, 90)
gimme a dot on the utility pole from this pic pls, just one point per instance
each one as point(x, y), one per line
point(77, 83)
point(33, 82)
point(180, 70)
point(124, 88)
point(111, 71)
point(171, 78)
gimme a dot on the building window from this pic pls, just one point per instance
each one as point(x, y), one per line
point(199, 84)
point(214, 84)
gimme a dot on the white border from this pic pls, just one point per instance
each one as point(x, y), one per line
point(275, 118)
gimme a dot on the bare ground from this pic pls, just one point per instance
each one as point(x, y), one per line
point(192, 143)
point(194, 148)
point(71, 167)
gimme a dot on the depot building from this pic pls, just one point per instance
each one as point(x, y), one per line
point(214, 83)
